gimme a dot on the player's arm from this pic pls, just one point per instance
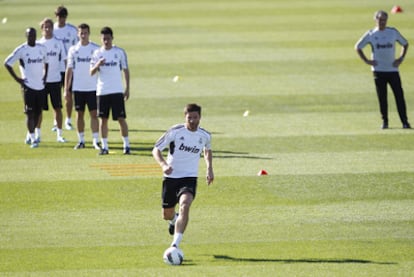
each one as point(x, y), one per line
point(10, 69)
point(361, 54)
point(399, 61)
point(46, 71)
point(166, 168)
point(126, 77)
point(96, 66)
point(68, 82)
point(208, 157)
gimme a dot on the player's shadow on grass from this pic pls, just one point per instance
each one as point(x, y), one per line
point(219, 154)
point(289, 261)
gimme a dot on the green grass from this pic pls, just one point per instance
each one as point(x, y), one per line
point(339, 197)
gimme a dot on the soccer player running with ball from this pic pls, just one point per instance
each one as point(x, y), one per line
point(185, 142)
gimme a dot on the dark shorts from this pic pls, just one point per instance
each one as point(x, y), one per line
point(173, 188)
point(55, 92)
point(33, 100)
point(85, 98)
point(111, 102)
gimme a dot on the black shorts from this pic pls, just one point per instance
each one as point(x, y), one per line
point(114, 102)
point(33, 100)
point(55, 92)
point(85, 98)
point(173, 188)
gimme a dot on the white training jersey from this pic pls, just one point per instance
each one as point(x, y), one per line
point(69, 36)
point(79, 59)
point(55, 53)
point(383, 47)
point(185, 149)
point(31, 64)
point(110, 73)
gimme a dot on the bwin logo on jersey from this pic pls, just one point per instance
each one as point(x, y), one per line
point(191, 149)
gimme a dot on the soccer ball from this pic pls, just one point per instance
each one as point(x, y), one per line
point(173, 256)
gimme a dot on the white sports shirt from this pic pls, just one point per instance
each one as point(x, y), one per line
point(79, 59)
point(185, 149)
point(383, 47)
point(110, 73)
point(32, 60)
point(55, 53)
point(69, 36)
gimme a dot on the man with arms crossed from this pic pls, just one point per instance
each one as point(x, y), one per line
point(186, 143)
point(83, 84)
point(33, 68)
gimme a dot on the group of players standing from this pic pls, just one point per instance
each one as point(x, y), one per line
point(90, 74)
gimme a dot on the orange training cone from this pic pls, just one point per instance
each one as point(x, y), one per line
point(396, 9)
point(262, 172)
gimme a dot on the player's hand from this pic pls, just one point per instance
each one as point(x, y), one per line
point(210, 177)
point(126, 94)
point(167, 169)
point(397, 62)
point(372, 62)
point(67, 94)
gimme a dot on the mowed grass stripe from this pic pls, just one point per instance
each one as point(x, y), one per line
point(129, 169)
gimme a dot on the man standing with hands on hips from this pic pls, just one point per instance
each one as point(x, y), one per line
point(384, 64)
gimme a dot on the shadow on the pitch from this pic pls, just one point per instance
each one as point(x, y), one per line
point(288, 261)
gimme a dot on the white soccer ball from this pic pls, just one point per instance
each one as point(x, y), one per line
point(173, 256)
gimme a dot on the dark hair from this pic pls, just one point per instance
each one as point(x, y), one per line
point(192, 108)
point(107, 31)
point(61, 11)
point(84, 26)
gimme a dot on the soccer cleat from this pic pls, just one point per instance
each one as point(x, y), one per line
point(171, 226)
point(34, 145)
point(68, 126)
point(127, 151)
point(54, 128)
point(384, 125)
point(80, 145)
point(406, 126)
point(28, 140)
point(104, 151)
point(97, 146)
point(61, 139)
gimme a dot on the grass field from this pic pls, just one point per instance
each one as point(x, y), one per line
point(339, 197)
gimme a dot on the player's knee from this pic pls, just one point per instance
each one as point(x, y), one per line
point(168, 214)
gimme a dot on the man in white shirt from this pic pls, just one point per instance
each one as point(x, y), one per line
point(56, 53)
point(83, 85)
point(384, 64)
point(33, 71)
point(108, 62)
point(185, 142)
point(68, 33)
